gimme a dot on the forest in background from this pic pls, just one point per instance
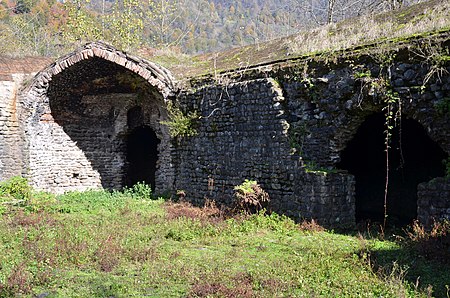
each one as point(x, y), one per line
point(51, 28)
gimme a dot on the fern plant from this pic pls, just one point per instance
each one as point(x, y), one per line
point(250, 197)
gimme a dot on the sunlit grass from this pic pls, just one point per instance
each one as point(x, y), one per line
point(101, 244)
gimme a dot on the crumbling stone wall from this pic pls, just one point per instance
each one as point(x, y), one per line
point(13, 72)
point(76, 150)
point(330, 111)
point(244, 134)
point(328, 105)
point(286, 127)
point(434, 203)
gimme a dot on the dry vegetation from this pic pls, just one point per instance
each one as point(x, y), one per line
point(394, 27)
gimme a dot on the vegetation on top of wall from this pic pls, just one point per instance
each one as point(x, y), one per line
point(436, 57)
point(358, 35)
point(313, 168)
point(50, 29)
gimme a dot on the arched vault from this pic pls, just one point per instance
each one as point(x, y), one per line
point(76, 121)
point(156, 75)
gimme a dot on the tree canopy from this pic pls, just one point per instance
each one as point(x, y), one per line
point(51, 27)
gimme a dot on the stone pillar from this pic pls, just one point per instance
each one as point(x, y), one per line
point(433, 201)
point(10, 139)
point(327, 197)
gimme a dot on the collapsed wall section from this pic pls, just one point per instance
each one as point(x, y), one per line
point(332, 102)
point(77, 121)
point(291, 133)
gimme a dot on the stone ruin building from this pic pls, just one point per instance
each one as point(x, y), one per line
point(310, 130)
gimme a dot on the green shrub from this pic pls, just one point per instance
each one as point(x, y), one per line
point(140, 190)
point(40, 201)
point(179, 123)
point(16, 187)
point(250, 197)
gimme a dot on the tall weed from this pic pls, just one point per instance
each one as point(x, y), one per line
point(140, 190)
point(433, 243)
point(250, 198)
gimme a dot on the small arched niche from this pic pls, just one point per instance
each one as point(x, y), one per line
point(413, 158)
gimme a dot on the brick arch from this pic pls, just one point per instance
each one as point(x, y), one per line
point(156, 75)
point(75, 129)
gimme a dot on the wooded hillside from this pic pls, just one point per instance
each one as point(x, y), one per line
point(50, 27)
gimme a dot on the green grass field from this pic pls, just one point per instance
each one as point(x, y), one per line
point(123, 244)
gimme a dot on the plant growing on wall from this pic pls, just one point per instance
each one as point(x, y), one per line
point(392, 107)
point(436, 56)
point(446, 163)
point(181, 124)
point(296, 136)
point(250, 197)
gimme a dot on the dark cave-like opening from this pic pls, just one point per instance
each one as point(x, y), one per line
point(413, 158)
point(142, 156)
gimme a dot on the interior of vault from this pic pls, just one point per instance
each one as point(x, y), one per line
point(413, 158)
point(87, 99)
point(141, 149)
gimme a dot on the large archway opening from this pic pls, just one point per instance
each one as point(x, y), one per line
point(74, 116)
point(142, 156)
point(413, 158)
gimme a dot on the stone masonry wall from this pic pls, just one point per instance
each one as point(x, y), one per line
point(243, 134)
point(13, 72)
point(86, 148)
point(327, 106)
point(73, 115)
point(10, 151)
point(434, 203)
point(288, 132)
point(284, 125)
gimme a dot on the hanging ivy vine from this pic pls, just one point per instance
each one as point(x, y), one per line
point(381, 87)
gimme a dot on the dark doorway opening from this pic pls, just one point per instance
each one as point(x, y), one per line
point(413, 158)
point(142, 156)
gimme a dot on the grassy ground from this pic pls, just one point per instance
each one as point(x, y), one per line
point(100, 244)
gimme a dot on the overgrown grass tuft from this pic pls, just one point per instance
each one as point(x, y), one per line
point(103, 244)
